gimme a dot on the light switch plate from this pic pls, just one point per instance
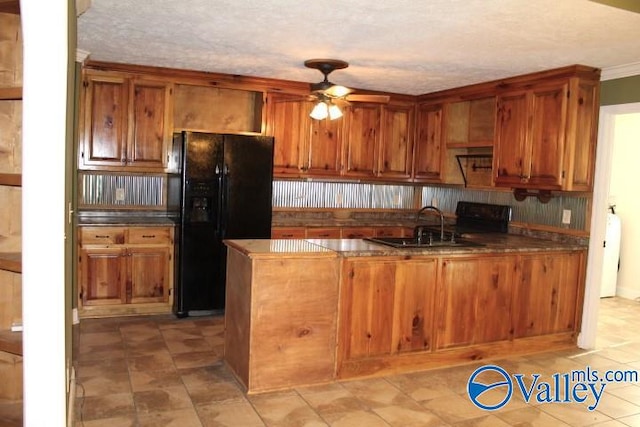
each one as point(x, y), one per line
point(119, 194)
point(566, 216)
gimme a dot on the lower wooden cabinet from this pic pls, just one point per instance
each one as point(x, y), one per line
point(339, 232)
point(386, 306)
point(472, 292)
point(124, 268)
point(548, 296)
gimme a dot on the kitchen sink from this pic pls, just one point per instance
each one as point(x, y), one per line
point(411, 242)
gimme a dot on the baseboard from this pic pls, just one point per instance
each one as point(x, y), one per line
point(628, 293)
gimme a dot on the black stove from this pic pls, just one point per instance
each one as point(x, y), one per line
point(473, 218)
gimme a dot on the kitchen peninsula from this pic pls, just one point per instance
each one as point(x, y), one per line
point(302, 312)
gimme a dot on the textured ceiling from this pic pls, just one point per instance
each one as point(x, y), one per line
point(401, 46)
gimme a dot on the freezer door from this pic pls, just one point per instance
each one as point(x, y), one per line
point(248, 168)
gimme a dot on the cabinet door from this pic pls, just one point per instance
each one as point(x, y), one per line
point(396, 151)
point(289, 124)
point(148, 274)
point(150, 127)
point(511, 140)
point(357, 232)
point(367, 308)
point(413, 301)
point(104, 130)
point(362, 144)
point(548, 294)
point(428, 156)
point(582, 130)
point(548, 124)
point(325, 145)
point(474, 292)
point(102, 276)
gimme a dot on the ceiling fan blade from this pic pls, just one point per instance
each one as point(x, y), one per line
point(379, 99)
point(630, 5)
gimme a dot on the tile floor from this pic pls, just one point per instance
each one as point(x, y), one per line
point(161, 371)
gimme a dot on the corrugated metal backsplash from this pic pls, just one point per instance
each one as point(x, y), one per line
point(111, 190)
point(316, 194)
point(107, 190)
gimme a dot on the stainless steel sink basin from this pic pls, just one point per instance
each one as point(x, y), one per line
point(411, 242)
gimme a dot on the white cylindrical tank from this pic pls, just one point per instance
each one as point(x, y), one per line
point(611, 256)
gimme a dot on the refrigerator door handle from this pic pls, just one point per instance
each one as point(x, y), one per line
point(220, 202)
point(224, 198)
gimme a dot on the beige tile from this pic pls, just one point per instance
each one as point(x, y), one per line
point(358, 418)
point(178, 334)
point(612, 423)
point(215, 392)
point(331, 400)
point(101, 338)
point(158, 361)
point(100, 367)
point(630, 393)
point(188, 345)
point(126, 421)
point(106, 406)
point(195, 359)
point(210, 374)
point(285, 409)
point(111, 351)
point(229, 414)
point(162, 399)
point(176, 418)
point(421, 389)
point(145, 347)
point(620, 354)
point(151, 380)
point(574, 414)
point(104, 384)
point(531, 417)
point(486, 421)
point(378, 392)
point(453, 409)
point(633, 421)
point(616, 407)
point(400, 416)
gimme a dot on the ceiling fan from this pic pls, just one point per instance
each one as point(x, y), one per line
point(328, 94)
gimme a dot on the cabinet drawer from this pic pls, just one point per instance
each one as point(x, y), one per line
point(160, 235)
point(101, 235)
point(287, 233)
point(323, 233)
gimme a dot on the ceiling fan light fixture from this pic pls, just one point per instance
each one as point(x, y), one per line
point(320, 111)
point(338, 91)
point(334, 112)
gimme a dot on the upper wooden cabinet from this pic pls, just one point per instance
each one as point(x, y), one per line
point(429, 152)
point(303, 146)
point(396, 143)
point(362, 142)
point(546, 136)
point(126, 123)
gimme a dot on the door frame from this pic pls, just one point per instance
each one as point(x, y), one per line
point(602, 179)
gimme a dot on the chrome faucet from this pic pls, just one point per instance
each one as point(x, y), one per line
point(439, 212)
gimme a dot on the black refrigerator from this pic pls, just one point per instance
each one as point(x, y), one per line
point(222, 191)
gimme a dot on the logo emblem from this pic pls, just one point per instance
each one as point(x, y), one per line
point(485, 379)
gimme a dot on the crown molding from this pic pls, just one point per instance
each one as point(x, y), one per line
point(620, 71)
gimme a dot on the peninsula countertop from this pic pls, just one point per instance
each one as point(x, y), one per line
point(489, 243)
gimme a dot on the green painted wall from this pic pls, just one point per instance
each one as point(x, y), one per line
point(620, 91)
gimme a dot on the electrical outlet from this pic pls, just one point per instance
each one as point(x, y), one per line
point(119, 194)
point(397, 199)
point(434, 202)
point(566, 216)
point(338, 199)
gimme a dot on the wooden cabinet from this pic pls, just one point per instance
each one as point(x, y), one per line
point(470, 123)
point(125, 266)
point(548, 295)
point(386, 307)
point(396, 141)
point(323, 233)
point(474, 300)
point(288, 233)
point(125, 123)
point(302, 146)
point(362, 140)
point(357, 232)
point(546, 136)
point(429, 153)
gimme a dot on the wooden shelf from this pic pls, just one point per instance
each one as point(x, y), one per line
point(10, 93)
point(11, 261)
point(12, 179)
point(11, 342)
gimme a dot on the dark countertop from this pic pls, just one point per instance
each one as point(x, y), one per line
point(97, 219)
point(492, 243)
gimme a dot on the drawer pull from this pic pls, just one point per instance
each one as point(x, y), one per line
point(148, 236)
